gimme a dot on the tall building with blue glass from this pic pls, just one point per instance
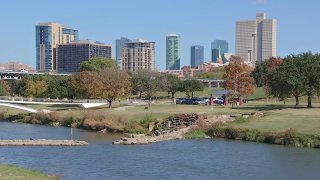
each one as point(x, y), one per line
point(173, 52)
point(216, 46)
point(197, 53)
point(48, 36)
point(119, 45)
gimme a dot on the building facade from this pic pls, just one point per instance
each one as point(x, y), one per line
point(70, 56)
point(256, 40)
point(119, 45)
point(15, 66)
point(48, 36)
point(173, 52)
point(197, 55)
point(216, 46)
point(138, 54)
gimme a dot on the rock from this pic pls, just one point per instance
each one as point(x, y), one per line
point(138, 135)
point(103, 131)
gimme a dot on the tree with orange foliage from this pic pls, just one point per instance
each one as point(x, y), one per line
point(237, 78)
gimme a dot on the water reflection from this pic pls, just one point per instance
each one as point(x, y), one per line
point(185, 159)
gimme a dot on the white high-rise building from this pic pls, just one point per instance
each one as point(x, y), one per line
point(256, 40)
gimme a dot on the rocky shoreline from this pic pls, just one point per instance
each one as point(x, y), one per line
point(42, 142)
point(174, 127)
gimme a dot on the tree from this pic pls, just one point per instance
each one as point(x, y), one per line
point(112, 84)
point(5, 89)
point(98, 64)
point(213, 73)
point(149, 82)
point(192, 85)
point(172, 84)
point(83, 84)
point(286, 80)
point(57, 86)
point(264, 69)
point(36, 88)
point(310, 74)
point(297, 76)
point(237, 78)
point(138, 80)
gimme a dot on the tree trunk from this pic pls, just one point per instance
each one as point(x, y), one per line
point(149, 102)
point(168, 94)
point(192, 94)
point(309, 102)
point(110, 104)
point(172, 94)
point(140, 94)
point(297, 100)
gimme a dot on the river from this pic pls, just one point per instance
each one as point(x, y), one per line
point(179, 159)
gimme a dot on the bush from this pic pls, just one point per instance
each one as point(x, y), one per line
point(148, 118)
point(42, 118)
point(98, 120)
point(241, 120)
point(195, 133)
point(4, 115)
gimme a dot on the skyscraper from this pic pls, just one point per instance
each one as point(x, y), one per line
point(256, 40)
point(48, 36)
point(197, 53)
point(119, 45)
point(217, 45)
point(138, 54)
point(70, 56)
point(173, 52)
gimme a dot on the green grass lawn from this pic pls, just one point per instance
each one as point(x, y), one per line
point(278, 116)
point(10, 172)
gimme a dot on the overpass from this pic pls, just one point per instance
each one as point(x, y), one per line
point(20, 75)
point(210, 82)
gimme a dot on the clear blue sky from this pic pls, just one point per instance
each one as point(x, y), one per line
point(196, 21)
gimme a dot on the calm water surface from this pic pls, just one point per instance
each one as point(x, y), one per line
point(183, 159)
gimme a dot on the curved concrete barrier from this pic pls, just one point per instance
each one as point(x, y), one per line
point(19, 107)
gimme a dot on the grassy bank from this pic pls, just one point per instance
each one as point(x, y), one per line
point(278, 117)
point(13, 172)
point(288, 137)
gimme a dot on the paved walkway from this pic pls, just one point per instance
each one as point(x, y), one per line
point(19, 107)
point(84, 105)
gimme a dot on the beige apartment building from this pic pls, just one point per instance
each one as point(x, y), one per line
point(138, 54)
point(256, 40)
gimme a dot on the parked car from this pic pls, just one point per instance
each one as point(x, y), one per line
point(198, 101)
point(180, 100)
point(218, 101)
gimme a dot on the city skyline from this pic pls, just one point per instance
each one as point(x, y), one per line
point(194, 28)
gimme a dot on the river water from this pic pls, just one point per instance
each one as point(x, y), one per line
point(179, 159)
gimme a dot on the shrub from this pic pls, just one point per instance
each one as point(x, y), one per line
point(241, 120)
point(98, 120)
point(195, 133)
point(4, 115)
point(148, 118)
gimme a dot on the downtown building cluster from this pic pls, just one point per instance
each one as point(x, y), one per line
point(59, 49)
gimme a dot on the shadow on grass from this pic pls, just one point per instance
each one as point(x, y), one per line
point(269, 107)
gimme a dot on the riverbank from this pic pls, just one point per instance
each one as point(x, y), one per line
point(14, 172)
point(278, 117)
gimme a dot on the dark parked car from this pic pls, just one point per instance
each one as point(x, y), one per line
point(180, 100)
